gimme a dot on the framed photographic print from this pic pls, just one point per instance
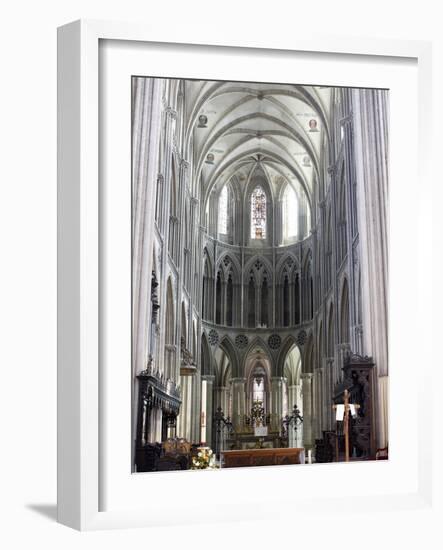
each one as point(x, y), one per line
point(231, 299)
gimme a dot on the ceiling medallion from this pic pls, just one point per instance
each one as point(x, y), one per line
point(202, 121)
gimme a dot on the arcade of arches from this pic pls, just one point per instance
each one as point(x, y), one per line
point(259, 259)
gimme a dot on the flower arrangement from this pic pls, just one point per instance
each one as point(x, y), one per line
point(205, 459)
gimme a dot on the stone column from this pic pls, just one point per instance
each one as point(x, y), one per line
point(370, 108)
point(295, 438)
point(329, 391)
point(147, 117)
point(277, 389)
point(221, 399)
point(293, 393)
point(315, 424)
point(195, 407)
point(325, 404)
point(188, 421)
point(382, 412)
point(238, 403)
point(183, 424)
point(307, 409)
point(209, 406)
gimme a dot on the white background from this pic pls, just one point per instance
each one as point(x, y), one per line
point(28, 251)
point(316, 485)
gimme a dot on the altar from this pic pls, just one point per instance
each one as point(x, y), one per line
point(262, 457)
point(251, 441)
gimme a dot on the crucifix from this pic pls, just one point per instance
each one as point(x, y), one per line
point(342, 413)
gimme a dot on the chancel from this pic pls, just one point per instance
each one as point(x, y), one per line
point(259, 273)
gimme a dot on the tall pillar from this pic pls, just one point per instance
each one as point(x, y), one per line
point(277, 389)
point(208, 406)
point(185, 417)
point(316, 403)
point(295, 437)
point(371, 114)
point(221, 399)
point(195, 407)
point(307, 409)
point(147, 118)
point(293, 397)
point(238, 403)
point(325, 403)
point(329, 392)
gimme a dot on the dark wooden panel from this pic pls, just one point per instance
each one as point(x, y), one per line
point(261, 457)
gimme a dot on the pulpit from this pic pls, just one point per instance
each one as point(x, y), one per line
point(359, 383)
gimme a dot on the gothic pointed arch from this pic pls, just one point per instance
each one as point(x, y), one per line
point(258, 209)
point(228, 347)
point(308, 356)
point(288, 344)
point(207, 364)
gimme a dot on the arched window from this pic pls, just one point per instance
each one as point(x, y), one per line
point(258, 390)
point(223, 211)
point(290, 213)
point(258, 214)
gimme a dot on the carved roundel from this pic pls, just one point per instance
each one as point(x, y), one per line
point(241, 341)
point(274, 341)
point(213, 337)
point(301, 338)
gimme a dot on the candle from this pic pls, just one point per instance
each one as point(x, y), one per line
point(309, 456)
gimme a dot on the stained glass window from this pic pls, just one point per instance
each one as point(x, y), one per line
point(223, 211)
point(290, 213)
point(258, 389)
point(258, 214)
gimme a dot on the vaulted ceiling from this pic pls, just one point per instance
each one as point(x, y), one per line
point(233, 128)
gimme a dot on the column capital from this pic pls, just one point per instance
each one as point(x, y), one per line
point(171, 112)
point(347, 119)
point(238, 380)
point(278, 378)
point(208, 377)
point(306, 375)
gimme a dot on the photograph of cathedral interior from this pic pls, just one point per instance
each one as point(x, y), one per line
point(259, 274)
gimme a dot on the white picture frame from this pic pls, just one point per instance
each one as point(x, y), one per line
point(79, 390)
